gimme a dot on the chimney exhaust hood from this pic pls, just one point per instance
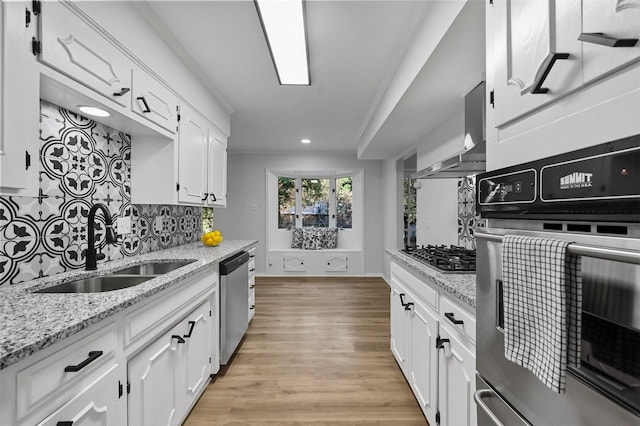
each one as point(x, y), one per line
point(472, 159)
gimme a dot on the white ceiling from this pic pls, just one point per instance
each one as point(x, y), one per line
point(355, 47)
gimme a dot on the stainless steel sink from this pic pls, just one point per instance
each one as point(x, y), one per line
point(153, 268)
point(98, 284)
point(117, 280)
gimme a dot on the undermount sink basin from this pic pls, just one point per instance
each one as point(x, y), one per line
point(153, 268)
point(117, 280)
point(98, 284)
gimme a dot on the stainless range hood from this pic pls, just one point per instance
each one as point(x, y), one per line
point(472, 159)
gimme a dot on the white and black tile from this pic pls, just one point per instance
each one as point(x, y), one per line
point(467, 216)
point(82, 162)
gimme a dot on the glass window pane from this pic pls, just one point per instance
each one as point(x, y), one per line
point(344, 202)
point(315, 203)
point(286, 202)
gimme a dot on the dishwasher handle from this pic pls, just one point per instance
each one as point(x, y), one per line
point(232, 263)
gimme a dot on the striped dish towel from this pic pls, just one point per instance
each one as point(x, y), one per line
point(542, 298)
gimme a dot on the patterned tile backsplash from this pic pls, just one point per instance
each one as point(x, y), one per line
point(82, 162)
point(468, 219)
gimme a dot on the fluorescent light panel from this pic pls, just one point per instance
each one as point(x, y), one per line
point(283, 22)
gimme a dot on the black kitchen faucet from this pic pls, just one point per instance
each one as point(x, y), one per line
point(110, 237)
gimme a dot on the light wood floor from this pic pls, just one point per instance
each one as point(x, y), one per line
point(316, 353)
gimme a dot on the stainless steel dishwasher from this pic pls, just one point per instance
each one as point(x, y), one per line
point(234, 303)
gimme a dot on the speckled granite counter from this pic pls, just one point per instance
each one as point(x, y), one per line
point(461, 286)
point(31, 322)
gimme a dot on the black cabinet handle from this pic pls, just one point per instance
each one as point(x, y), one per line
point(192, 324)
point(206, 194)
point(93, 355)
point(408, 306)
point(252, 270)
point(252, 286)
point(252, 307)
point(146, 108)
point(122, 92)
point(27, 160)
point(65, 423)
point(452, 318)
point(179, 338)
point(440, 342)
point(402, 299)
point(538, 89)
point(213, 196)
point(604, 40)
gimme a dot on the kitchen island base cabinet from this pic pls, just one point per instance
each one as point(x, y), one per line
point(438, 361)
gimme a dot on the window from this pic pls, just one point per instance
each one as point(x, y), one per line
point(318, 202)
point(409, 212)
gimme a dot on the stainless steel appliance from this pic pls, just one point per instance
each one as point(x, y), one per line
point(590, 197)
point(446, 259)
point(234, 303)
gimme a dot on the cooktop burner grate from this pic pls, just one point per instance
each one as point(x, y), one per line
point(451, 259)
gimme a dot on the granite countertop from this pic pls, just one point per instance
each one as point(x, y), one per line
point(31, 322)
point(460, 286)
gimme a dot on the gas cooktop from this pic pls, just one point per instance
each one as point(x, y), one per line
point(451, 259)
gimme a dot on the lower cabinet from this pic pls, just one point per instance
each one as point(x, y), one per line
point(165, 378)
point(97, 404)
point(437, 359)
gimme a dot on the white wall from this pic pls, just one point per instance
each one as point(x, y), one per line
point(393, 176)
point(437, 199)
point(245, 215)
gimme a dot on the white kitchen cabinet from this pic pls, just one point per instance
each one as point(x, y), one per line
point(593, 95)
point(294, 263)
point(337, 263)
point(527, 35)
point(457, 380)
point(153, 101)
point(19, 101)
point(252, 282)
point(72, 47)
point(202, 160)
point(619, 20)
point(100, 404)
point(440, 372)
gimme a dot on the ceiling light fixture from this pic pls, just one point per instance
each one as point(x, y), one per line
point(284, 26)
point(305, 140)
point(93, 111)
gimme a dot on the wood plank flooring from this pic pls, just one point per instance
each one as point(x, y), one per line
point(316, 353)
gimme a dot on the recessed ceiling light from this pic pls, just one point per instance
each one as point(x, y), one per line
point(283, 23)
point(305, 140)
point(94, 111)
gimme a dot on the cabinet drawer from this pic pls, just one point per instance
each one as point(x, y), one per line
point(167, 308)
point(48, 378)
point(453, 312)
point(418, 285)
point(252, 266)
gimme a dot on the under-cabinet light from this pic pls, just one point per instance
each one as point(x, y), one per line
point(284, 26)
point(93, 111)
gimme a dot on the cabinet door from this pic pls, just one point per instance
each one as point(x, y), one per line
point(77, 50)
point(423, 363)
point(100, 404)
point(192, 158)
point(456, 382)
point(527, 33)
point(19, 102)
point(398, 321)
point(193, 364)
point(294, 263)
point(619, 19)
point(152, 374)
point(153, 101)
point(336, 263)
point(217, 169)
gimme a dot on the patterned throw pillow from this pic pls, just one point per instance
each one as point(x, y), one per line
point(330, 240)
point(312, 238)
point(296, 238)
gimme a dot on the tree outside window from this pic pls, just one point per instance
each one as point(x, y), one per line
point(315, 203)
point(344, 202)
point(286, 202)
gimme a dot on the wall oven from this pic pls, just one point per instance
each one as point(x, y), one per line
point(591, 198)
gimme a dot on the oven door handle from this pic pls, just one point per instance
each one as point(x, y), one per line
point(514, 418)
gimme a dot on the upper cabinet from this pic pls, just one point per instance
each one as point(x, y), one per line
point(153, 101)
point(537, 54)
point(202, 165)
point(77, 50)
point(561, 75)
point(19, 103)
